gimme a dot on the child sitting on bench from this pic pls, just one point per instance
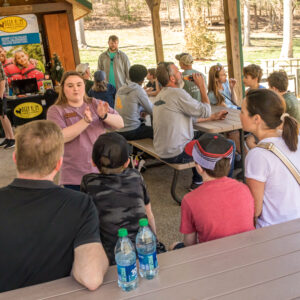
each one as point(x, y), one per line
point(221, 206)
point(119, 193)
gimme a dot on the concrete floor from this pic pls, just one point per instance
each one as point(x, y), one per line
point(158, 180)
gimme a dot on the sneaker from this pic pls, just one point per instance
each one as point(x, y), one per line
point(4, 143)
point(195, 185)
point(10, 144)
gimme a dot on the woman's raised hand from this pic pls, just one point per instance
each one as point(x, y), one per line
point(102, 109)
point(88, 115)
point(232, 83)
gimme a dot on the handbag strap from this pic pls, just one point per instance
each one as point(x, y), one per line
point(271, 147)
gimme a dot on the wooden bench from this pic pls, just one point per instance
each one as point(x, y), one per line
point(146, 145)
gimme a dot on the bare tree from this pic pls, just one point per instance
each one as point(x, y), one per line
point(287, 43)
point(79, 26)
point(247, 42)
point(181, 14)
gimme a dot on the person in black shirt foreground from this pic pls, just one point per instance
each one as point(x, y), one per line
point(46, 231)
point(119, 192)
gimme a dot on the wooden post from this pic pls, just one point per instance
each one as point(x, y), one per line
point(154, 8)
point(298, 82)
point(73, 34)
point(233, 45)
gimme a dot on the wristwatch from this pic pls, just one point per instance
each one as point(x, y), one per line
point(102, 119)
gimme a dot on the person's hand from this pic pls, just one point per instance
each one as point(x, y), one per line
point(102, 109)
point(221, 115)
point(199, 80)
point(143, 114)
point(232, 83)
point(88, 115)
point(250, 141)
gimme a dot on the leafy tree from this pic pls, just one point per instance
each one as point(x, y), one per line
point(200, 42)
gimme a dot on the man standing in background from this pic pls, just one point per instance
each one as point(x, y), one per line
point(114, 63)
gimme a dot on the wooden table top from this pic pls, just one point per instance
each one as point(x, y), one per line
point(261, 264)
point(231, 122)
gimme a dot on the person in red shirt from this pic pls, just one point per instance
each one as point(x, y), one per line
point(28, 70)
point(221, 206)
point(12, 72)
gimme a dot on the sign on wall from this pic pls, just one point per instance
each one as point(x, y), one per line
point(22, 54)
point(19, 30)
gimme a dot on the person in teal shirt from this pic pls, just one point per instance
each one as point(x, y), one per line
point(114, 63)
point(278, 81)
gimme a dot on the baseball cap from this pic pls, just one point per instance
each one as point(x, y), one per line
point(81, 68)
point(99, 76)
point(185, 58)
point(110, 151)
point(209, 149)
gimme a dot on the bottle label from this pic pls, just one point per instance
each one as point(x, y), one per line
point(148, 262)
point(128, 273)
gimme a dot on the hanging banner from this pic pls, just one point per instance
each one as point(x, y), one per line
point(21, 52)
point(19, 30)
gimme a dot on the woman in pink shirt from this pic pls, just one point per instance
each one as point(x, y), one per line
point(82, 120)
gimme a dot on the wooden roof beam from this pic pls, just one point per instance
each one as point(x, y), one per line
point(34, 8)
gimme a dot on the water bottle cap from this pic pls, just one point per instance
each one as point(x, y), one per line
point(122, 232)
point(143, 222)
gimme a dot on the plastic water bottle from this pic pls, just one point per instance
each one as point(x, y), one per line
point(126, 262)
point(146, 249)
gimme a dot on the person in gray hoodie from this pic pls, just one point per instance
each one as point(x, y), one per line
point(131, 100)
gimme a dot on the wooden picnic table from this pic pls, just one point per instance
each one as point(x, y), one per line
point(260, 264)
point(231, 122)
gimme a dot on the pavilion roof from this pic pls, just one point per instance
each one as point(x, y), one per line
point(80, 7)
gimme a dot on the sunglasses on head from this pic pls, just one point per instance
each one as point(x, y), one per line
point(219, 67)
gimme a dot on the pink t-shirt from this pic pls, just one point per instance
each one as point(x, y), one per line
point(216, 209)
point(78, 152)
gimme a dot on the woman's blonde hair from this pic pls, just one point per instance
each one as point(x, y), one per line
point(62, 99)
point(213, 78)
point(18, 51)
point(99, 86)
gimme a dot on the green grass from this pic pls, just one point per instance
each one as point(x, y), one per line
point(138, 45)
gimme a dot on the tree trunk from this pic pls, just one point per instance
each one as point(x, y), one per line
point(169, 15)
point(221, 9)
point(181, 14)
point(287, 43)
point(255, 16)
point(79, 26)
point(246, 23)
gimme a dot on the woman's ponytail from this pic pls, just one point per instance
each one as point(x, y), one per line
point(290, 132)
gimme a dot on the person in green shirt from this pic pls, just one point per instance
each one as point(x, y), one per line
point(84, 70)
point(186, 64)
point(278, 81)
point(114, 63)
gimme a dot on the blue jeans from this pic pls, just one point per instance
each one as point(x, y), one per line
point(72, 187)
point(142, 132)
point(184, 158)
point(230, 174)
